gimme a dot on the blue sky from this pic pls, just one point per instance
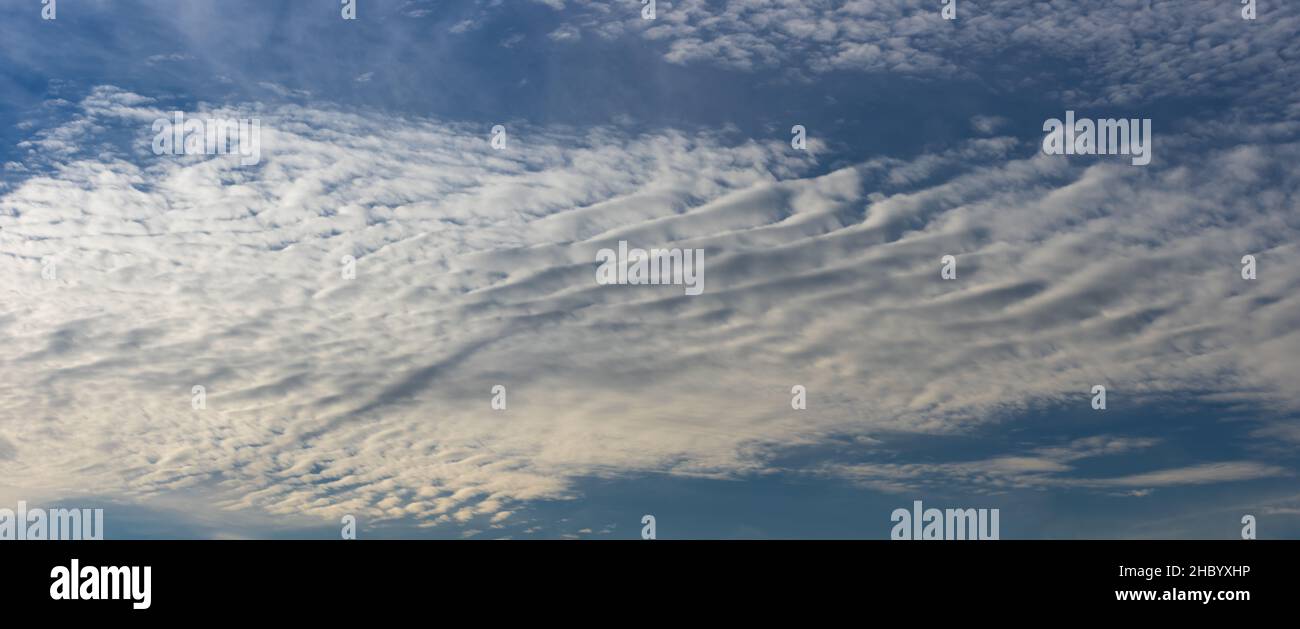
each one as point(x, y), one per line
point(369, 396)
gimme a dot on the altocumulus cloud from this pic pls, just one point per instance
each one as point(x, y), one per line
point(475, 267)
point(1112, 51)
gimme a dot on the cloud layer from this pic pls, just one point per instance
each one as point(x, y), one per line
point(1122, 52)
point(476, 267)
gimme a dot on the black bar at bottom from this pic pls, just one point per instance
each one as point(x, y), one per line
point(322, 579)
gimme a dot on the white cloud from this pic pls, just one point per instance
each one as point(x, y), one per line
point(565, 33)
point(1117, 53)
point(476, 267)
point(1048, 467)
point(988, 125)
